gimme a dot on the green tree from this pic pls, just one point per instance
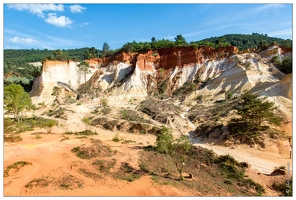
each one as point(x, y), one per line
point(106, 48)
point(164, 141)
point(16, 100)
point(83, 68)
point(180, 40)
point(59, 55)
point(286, 65)
point(263, 43)
point(49, 124)
point(153, 40)
point(90, 53)
point(87, 123)
point(177, 148)
point(275, 60)
point(253, 112)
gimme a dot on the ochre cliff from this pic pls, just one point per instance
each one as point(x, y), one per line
point(136, 75)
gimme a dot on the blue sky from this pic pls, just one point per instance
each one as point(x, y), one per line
point(70, 26)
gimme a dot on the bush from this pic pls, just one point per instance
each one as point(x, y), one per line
point(128, 173)
point(12, 138)
point(116, 138)
point(104, 166)
point(177, 149)
point(86, 132)
point(104, 102)
point(15, 166)
point(285, 188)
point(42, 182)
point(251, 183)
point(226, 159)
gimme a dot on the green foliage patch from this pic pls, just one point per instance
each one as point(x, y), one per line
point(16, 166)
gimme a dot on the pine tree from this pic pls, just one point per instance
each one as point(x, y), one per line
point(254, 112)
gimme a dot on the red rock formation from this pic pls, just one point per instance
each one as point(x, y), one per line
point(181, 56)
point(98, 61)
point(144, 61)
point(49, 63)
point(167, 58)
point(286, 49)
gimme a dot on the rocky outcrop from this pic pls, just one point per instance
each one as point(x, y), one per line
point(216, 73)
point(235, 75)
point(275, 50)
point(54, 72)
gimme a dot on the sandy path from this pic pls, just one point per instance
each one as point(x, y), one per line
point(264, 162)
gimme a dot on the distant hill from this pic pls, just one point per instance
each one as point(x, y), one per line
point(247, 41)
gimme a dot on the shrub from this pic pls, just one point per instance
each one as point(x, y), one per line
point(247, 64)
point(12, 138)
point(128, 173)
point(116, 138)
point(251, 183)
point(15, 166)
point(38, 136)
point(143, 167)
point(285, 187)
point(104, 102)
point(177, 149)
point(104, 166)
point(42, 182)
point(49, 124)
point(86, 132)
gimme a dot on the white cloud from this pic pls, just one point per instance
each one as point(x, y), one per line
point(77, 8)
point(61, 21)
point(11, 47)
point(84, 24)
point(22, 40)
point(269, 6)
point(37, 9)
point(169, 37)
point(13, 32)
point(286, 32)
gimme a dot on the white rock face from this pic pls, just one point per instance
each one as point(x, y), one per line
point(53, 73)
point(122, 81)
point(275, 50)
point(233, 77)
point(135, 87)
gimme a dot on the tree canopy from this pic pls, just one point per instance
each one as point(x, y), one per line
point(16, 100)
point(254, 115)
point(176, 148)
point(244, 41)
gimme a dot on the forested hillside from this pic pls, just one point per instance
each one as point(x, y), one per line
point(244, 41)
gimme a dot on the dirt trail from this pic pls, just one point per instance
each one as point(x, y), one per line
point(263, 162)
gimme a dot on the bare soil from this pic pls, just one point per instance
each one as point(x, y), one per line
point(56, 170)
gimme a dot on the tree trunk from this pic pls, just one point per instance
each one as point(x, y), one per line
point(180, 171)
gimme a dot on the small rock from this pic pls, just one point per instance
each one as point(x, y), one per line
point(278, 172)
